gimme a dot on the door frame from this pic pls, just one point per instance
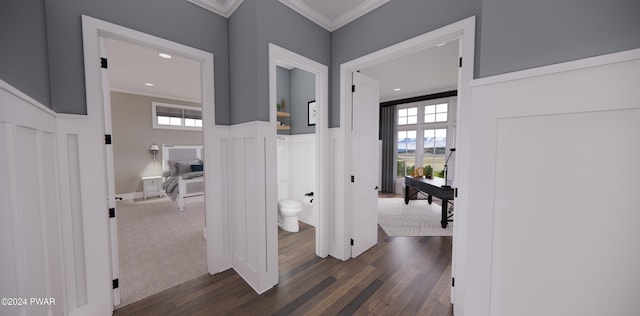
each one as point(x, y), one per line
point(279, 56)
point(464, 31)
point(95, 32)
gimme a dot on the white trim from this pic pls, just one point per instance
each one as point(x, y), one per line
point(11, 89)
point(463, 30)
point(331, 25)
point(558, 68)
point(155, 95)
point(225, 9)
point(280, 56)
point(94, 31)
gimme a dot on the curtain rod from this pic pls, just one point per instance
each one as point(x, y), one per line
point(426, 97)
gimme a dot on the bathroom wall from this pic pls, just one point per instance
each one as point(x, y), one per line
point(303, 90)
point(297, 171)
point(297, 87)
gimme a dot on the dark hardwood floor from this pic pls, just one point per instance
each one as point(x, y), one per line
point(399, 276)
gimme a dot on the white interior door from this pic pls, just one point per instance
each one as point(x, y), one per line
point(364, 163)
point(111, 187)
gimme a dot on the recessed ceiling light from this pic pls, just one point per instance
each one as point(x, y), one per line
point(396, 89)
point(165, 55)
point(441, 44)
point(148, 84)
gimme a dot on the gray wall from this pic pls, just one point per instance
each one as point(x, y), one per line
point(511, 35)
point(522, 34)
point(23, 48)
point(283, 87)
point(178, 21)
point(390, 24)
point(133, 134)
point(255, 24)
point(303, 90)
point(297, 88)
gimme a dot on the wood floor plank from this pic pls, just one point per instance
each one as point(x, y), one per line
point(400, 275)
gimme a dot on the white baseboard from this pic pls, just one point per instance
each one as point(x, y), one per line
point(130, 196)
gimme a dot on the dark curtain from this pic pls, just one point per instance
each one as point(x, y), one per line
point(388, 137)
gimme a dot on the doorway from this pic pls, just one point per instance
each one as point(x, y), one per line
point(95, 35)
point(464, 31)
point(150, 93)
point(282, 58)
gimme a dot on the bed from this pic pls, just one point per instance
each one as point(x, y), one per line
point(183, 171)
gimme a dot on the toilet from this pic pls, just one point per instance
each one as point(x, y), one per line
point(288, 211)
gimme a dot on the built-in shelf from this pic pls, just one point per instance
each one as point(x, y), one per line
point(283, 114)
point(284, 128)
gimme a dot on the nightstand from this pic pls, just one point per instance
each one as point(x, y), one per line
point(151, 186)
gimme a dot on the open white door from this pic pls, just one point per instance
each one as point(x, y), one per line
point(111, 186)
point(364, 149)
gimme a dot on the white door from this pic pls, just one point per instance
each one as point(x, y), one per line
point(553, 191)
point(111, 187)
point(364, 163)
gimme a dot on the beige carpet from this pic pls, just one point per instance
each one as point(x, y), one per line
point(159, 246)
point(416, 219)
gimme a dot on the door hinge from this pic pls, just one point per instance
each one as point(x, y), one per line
point(353, 88)
point(351, 241)
point(103, 63)
point(112, 212)
point(353, 178)
point(455, 192)
point(115, 284)
point(453, 282)
point(460, 63)
point(107, 139)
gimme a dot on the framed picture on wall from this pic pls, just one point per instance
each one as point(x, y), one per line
point(312, 113)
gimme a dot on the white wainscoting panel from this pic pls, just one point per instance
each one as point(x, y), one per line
point(216, 158)
point(553, 216)
point(252, 161)
point(30, 232)
point(84, 215)
point(302, 173)
point(338, 246)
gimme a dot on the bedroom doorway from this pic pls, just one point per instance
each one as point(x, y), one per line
point(157, 231)
point(305, 152)
point(96, 34)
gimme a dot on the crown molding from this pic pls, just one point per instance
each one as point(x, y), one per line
point(328, 23)
point(224, 8)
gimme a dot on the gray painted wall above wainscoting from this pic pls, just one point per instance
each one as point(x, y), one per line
point(178, 21)
point(133, 134)
point(41, 42)
point(254, 25)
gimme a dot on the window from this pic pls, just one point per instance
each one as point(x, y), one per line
point(172, 116)
point(423, 142)
point(406, 152)
point(408, 116)
point(434, 150)
point(435, 113)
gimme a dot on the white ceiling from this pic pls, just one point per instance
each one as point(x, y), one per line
point(131, 66)
point(428, 71)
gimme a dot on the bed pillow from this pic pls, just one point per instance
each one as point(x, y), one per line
point(197, 167)
point(182, 166)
